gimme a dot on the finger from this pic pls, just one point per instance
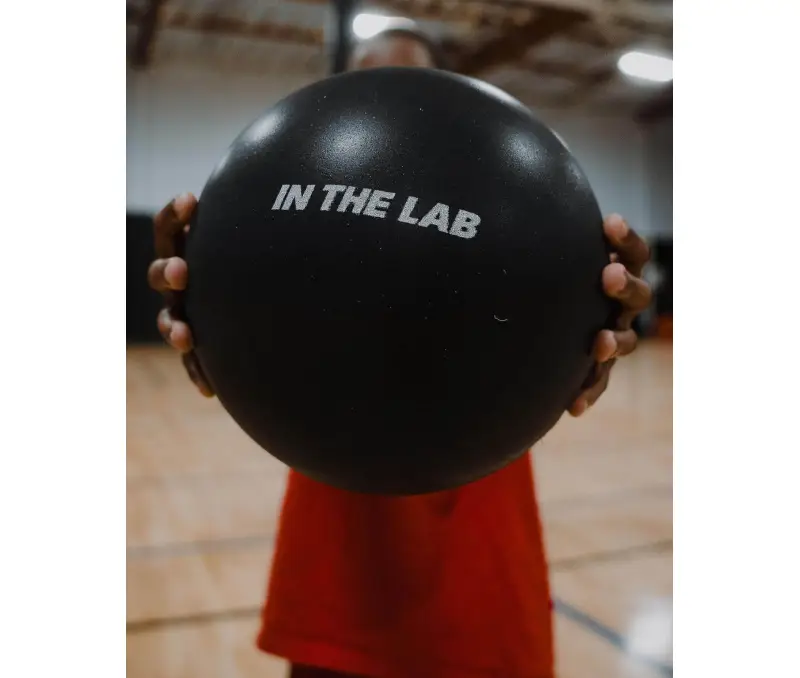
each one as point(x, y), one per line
point(155, 275)
point(632, 251)
point(168, 275)
point(626, 341)
point(165, 275)
point(195, 372)
point(169, 224)
point(180, 336)
point(605, 346)
point(614, 279)
point(578, 407)
point(164, 323)
point(590, 395)
point(634, 293)
point(581, 403)
point(599, 388)
point(175, 332)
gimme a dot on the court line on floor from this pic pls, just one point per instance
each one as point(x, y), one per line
point(207, 617)
point(216, 545)
point(587, 622)
point(159, 623)
point(561, 607)
point(595, 627)
point(255, 542)
point(199, 548)
point(584, 620)
point(658, 489)
point(610, 556)
point(212, 475)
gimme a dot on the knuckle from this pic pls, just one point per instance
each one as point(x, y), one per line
point(155, 273)
point(162, 219)
point(164, 325)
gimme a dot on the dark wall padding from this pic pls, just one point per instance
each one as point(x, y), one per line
point(143, 304)
point(662, 255)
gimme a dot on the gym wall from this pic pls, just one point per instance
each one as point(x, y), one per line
point(181, 119)
point(658, 159)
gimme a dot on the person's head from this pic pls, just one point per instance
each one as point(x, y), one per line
point(401, 43)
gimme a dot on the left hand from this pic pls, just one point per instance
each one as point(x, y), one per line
point(621, 281)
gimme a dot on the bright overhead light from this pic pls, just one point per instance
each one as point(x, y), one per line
point(365, 26)
point(646, 66)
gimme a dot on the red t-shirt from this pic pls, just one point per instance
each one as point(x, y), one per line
point(446, 585)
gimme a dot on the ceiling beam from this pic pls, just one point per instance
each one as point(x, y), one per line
point(637, 14)
point(513, 43)
point(611, 24)
point(475, 13)
point(661, 29)
point(634, 12)
point(215, 24)
point(591, 82)
point(143, 47)
point(584, 79)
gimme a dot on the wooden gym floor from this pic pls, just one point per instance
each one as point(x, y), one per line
point(203, 501)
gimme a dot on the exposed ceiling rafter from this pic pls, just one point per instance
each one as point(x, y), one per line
point(147, 21)
point(222, 25)
point(513, 43)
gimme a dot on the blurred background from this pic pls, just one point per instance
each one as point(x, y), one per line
point(203, 499)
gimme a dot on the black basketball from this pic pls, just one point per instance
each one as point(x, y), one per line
point(395, 280)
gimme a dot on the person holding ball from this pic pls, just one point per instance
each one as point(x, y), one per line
point(450, 584)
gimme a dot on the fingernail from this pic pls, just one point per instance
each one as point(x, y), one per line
point(166, 320)
point(619, 223)
point(580, 407)
point(180, 202)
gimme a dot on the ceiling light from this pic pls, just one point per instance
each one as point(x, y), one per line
point(646, 66)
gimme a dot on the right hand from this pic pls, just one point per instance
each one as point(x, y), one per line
point(168, 274)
